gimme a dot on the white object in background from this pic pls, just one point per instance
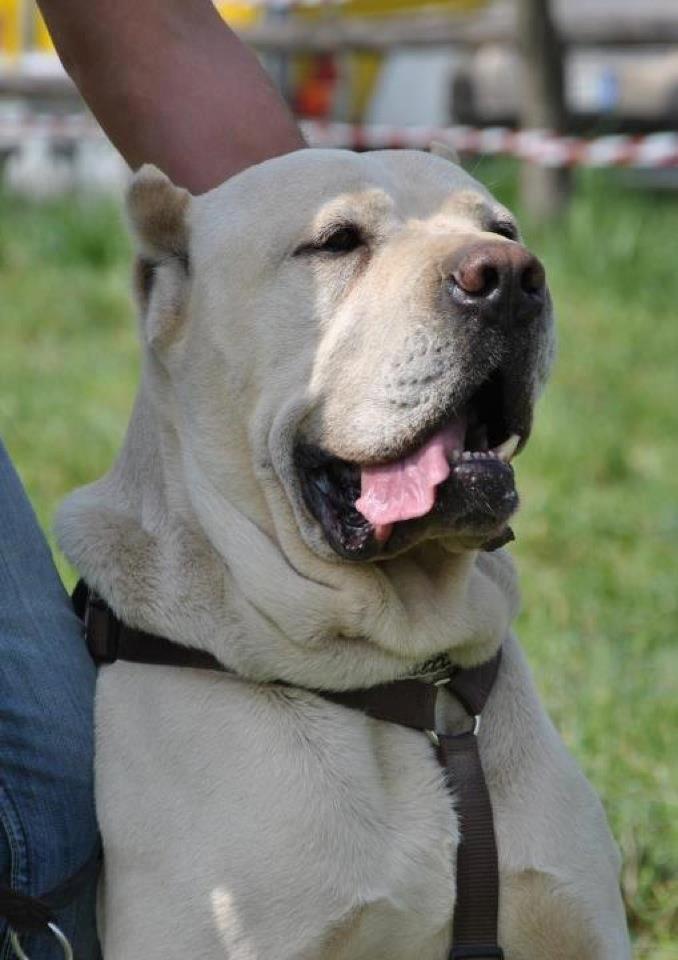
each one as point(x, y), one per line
point(38, 170)
point(35, 170)
point(98, 167)
point(415, 87)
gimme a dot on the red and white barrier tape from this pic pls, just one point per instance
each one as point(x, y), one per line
point(539, 146)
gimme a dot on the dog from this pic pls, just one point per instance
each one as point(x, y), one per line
point(341, 356)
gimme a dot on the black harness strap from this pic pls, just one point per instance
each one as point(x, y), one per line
point(33, 914)
point(24, 913)
point(410, 703)
point(477, 905)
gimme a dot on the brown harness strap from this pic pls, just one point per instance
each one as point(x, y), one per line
point(409, 703)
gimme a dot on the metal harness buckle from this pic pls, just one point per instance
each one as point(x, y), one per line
point(433, 735)
point(56, 932)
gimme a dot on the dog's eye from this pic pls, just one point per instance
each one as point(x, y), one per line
point(505, 229)
point(342, 240)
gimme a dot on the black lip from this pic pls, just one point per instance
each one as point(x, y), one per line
point(474, 504)
point(330, 488)
point(478, 509)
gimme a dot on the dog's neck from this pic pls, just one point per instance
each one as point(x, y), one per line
point(174, 555)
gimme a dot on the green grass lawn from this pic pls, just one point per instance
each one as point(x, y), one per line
point(596, 536)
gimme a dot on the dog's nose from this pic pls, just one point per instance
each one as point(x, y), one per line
point(501, 281)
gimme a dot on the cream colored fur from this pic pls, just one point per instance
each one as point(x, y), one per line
point(257, 822)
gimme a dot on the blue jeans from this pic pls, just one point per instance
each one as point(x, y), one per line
point(47, 823)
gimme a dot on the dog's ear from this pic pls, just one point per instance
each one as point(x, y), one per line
point(158, 213)
point(444, 150)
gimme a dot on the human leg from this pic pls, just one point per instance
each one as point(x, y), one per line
point(47, 821)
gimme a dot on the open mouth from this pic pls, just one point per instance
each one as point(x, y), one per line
point(458, 480)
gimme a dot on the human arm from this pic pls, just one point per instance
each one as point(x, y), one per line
point(171, 84)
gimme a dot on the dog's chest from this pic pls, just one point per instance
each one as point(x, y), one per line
point(291, 821)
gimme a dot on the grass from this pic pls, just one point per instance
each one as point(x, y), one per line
point(595, 539)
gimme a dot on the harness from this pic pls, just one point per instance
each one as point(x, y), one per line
point(409, 702)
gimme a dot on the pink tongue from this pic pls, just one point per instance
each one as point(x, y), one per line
point(407, 488)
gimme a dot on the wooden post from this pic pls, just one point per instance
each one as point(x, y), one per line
point(545, 191)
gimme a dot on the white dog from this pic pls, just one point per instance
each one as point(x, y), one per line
point(341, 355)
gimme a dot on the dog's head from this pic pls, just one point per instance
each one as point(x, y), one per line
point(365, 332)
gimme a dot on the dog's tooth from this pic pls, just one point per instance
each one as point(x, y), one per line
point(508, 448)
point(466, 455)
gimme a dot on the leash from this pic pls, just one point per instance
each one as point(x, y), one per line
point(410, 703)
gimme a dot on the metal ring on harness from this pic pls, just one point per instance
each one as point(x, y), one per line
point(435, 740)
point(58, 934)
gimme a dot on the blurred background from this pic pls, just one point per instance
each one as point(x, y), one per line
point(569, 113)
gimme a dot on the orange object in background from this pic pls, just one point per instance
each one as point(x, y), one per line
point(314, 95)
point(326, 86)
